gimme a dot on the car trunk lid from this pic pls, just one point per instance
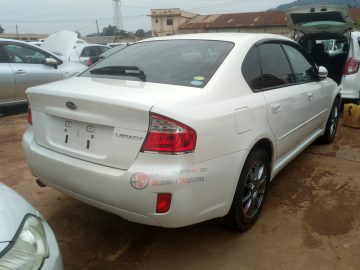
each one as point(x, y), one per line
point(104, 121)
point(320, 19)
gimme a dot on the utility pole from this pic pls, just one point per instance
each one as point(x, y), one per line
point(97, 26)
point(17, 32)
point(118, 22)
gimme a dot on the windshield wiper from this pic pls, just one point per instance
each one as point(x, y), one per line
point(132, 71)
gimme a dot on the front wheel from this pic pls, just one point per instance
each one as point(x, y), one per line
point(250, 192)
point(332, 124)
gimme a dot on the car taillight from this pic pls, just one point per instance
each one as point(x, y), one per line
point(29, 118)
point(163, 202)
point(168, 136)
point(352, 66)
point(89, 62)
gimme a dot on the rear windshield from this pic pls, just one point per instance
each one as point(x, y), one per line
point(178, 62)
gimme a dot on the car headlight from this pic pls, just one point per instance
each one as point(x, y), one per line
point(29, 247)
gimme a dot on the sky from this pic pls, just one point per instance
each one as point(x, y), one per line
point(47, 16)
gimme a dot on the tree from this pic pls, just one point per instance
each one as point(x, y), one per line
point(140, 33)
point(1, 30)
point(111, 30)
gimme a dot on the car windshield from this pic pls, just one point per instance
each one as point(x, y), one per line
point(178, 62)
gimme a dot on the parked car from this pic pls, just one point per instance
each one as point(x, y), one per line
point(115, 44)
point(26, 240)
point(177, 130)
point(66, 45)
point(93, 59)
point(82, 52)
point(23, 65)
point(315, 27)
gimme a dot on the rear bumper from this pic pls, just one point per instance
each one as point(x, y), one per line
point(350, 86)
point(199, 192)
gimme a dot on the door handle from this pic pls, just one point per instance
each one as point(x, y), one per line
point(20, 72)
point(310, 96)
point(275, 107)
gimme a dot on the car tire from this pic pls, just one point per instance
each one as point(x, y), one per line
point(250, 192)
point(331, 124)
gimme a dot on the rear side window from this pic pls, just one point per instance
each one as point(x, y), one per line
point(276, 70)
point(90, 51)
point(303, 70)
point(252, 70)
point(178, 62)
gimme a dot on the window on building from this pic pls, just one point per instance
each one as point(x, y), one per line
point(156, 20)
point(169, 21)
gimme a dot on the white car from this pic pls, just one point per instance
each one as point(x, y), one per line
point(26, 240)
point(176, 130)
point(66, 45)
point(315, 27)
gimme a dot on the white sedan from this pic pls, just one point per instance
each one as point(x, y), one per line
point(177, 130)
point(26, 240)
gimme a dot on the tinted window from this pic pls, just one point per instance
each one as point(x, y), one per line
point(90, 51)
point(179, 62)
point(252, 70)
point(3, 56)
point(102, 49)
point(276, 70)
point(24, 55)
point(303, 70)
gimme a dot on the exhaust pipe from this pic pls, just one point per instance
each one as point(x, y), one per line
point(40, 184)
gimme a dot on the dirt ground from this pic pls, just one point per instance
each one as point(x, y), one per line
point(311, 219)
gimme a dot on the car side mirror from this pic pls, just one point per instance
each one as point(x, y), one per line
point(323, 73)
point(51, 62)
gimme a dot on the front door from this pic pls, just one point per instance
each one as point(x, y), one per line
point(286, 100)
point(28, 65)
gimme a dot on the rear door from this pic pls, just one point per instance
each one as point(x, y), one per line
point(7, 79)
point(28, 66)
point(286, 101)
point(320, 19)
point(318, 93)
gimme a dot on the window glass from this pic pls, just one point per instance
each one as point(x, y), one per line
point(276, 70)
point(3, 56)
point(90, 51)
point(169, 21)
point(252, 70)
point(179, 62)
point(102, 49)
point(303, 70)
point(24, 55)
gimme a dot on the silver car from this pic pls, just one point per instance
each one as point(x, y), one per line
point(23, 65)
point(26, 240)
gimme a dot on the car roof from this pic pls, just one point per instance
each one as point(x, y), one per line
point(81, 46)
point(231, 37)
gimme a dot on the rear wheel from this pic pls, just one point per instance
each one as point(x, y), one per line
point(332, 124)
point(251, 191)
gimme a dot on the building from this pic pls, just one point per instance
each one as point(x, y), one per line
point(166, 22)
point(255, 22)
point(24, 37)
point(274, 22)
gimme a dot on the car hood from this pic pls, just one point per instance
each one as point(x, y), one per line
point(61, 43)
point(13, 209)
point(320, 19)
